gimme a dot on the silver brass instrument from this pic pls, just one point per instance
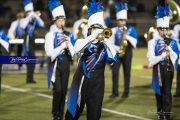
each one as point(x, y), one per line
point(175, 12)
point(149, 35)
point(124, 44)
point(84, 13)
point(106, 33)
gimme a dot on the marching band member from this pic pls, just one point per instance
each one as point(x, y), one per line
point(177, 36)
point(124, 40)
point(59, 48)
point(88, 81)
point(163, 56)
point(29, 24)
point(16, 32)
point(4, 48)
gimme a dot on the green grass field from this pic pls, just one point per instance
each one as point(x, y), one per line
point(21, 101)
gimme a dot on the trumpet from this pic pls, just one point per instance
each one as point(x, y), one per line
point(124, 44)
point(106, 33)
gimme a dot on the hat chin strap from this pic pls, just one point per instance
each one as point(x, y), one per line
point(97, 25)
point(59, 17)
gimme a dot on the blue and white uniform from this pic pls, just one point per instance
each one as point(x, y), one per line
point(55, 49)
point(4, 41)
point(126, 60)
point(88, 81)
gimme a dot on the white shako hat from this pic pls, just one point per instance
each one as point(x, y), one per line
point(95, 14)
point(56, 9)
point(163, 14)
point(121, 10)
point(28, 5)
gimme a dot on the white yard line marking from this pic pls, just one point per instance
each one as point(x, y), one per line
point(26, 91)
point(125, 114)
point(48, 96)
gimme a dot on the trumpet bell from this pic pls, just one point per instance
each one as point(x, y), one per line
point(149, 35)
point(175, 12)
point(107, 32)
point(38, 13)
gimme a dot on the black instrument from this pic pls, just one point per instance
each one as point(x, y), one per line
point(167, 59)
point(68, 54)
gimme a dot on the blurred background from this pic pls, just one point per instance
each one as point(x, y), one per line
point(141, 14)
point(21, 101)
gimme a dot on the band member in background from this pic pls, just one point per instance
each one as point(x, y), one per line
point(4, 48)
point(29, 24)
point(80, 26)
point(59, 48)
point(177, 36)
point(124, 40)
point(163, 56)
point(88, 81)
point(16, 32)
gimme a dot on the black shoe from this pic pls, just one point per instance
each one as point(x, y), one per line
point(160, 117)
point(32, 81)
point(176, 95)
point(165, 118)
point(125, 96)
point(113, 95)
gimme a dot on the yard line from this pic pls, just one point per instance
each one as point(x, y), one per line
point(26, 91)
point(125, 114)
point(48, 96)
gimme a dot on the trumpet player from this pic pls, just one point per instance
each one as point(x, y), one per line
point(124, 40)
point(15, 31)
point(163, 54)
point(59, 48)
point(30, 23)
point(88, 81)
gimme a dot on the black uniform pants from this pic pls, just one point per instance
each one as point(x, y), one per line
point(19, 52)
point(60, 87)
point(164, 101)
point(126, 62)
point(178, 81)
point(31, 67)
point(92, 93)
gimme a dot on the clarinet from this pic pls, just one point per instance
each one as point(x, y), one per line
point(167, 59)
point(66, 49)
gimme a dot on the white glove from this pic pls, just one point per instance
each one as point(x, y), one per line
point(31, 14)
point(163, 55)
point(95, 33)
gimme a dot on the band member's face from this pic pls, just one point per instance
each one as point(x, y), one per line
point(162, 33)
point(93, 29)
point(20, 15)
point(60, 22)
point(27, 13)
point(121, 23)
